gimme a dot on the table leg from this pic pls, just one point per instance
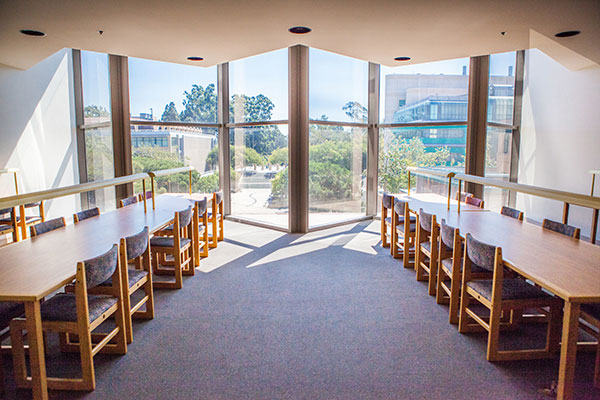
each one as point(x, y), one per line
point(568, 351)
point(36, 350)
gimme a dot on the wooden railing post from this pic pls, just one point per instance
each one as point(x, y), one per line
point(459, 194)
point(409, 182)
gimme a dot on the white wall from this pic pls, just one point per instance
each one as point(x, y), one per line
point(37, 130)
point(560, 135)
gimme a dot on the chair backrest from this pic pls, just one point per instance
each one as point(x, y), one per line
point(511, 212)
point(32, 205)
point(185, 217)
point(85, 214)
point(137, 244)
point(202, 206)
point(9, 210)
point(481, 254)
point(474, 201)
point(561, 228)
point(47, 226)
point(129, 201)
point(400, 207)
point(447, 234)
point(100, 269)
point(463, 195)
point(218, 197)
point(386, 200)
point(148, 195)
point(425, 220)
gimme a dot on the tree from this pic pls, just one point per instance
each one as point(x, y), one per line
point(200, 104)
point(250, 108)
point(356, 111)
point(95, 111)
point(251, 156)
point(279, 156)
point(170, 114)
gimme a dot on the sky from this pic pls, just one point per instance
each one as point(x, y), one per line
point(333, 80)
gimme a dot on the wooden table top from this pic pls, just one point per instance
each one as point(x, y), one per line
point(434, 203)
point(31, 269)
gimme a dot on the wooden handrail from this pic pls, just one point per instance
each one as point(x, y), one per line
point(567, 197)
point(17, 200)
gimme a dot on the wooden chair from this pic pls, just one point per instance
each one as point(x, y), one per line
point(561, 228)
point(179, 246)
point(200, 227)
point(387, 206)
point(403, 233)
point(29, 220)
point(85, 214)
point(590, 313)
point(502, 295)
point(133, 250)
point(80, 313)
point(129, 201)
point(450, 266)
point(47, 226)
point(8, 311)
point(215, 217)
point(426, 250)
point(9, 223)
point(474, 201)
point(511, 212)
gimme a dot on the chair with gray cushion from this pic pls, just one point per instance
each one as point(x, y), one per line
point(8, 311)
point(461, 196)
point(561, 228)
point(179, 247)
point(80, 313)
point(9, 223)
point(47, 226)
point(511, 212)
point(474, 201)
point(387, 201)
point(201, 229)
point(26, 221)
point(215, 217)
point(500, 296)
point(134, 251)
point(404, 230)
point(85, 214)
point(129, 201)
point(426, 249)
point(450, 266)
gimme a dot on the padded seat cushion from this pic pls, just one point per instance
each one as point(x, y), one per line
point(447, 262)
point(400, 219)
point(163, 241)
point(400, 228)
point(592, 309)
point(8, 311)
point(62, 307)
point(426, 246)
point(135, 275)
point(28, 219)
point(512, 289)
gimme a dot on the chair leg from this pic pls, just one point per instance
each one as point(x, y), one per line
point(494, 333)
point(121, 337)
point(221, 233)
point(597, 368)
point(554, 329)
point(454, 300)
point(463, 317)
point(18, 353)
point(87, 361)
point(439, 292)
point(178, 271)
point(128, 322)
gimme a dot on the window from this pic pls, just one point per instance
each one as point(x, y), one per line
point(97, 127)
point(172, 94)
point(258, 87)
point(500, 126)
point(422, 93)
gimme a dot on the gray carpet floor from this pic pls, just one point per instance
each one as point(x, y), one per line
point(327, 315)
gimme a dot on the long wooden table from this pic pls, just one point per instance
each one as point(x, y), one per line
point(567, 267)
point(33, 269)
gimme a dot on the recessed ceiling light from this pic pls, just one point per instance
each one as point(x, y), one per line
point(567, 34)
point(193, 58)
point(299, 29)
point(30, 32)
point(402, 58)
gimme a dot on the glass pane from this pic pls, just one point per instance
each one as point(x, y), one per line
point(336, 173)
point(259, 88)
point(162, 147)
point(339, 87)
point(436, 91)
point(98, 138)
point(161, 91)
point(259, 174)
point(497, 165)
point(501, 88)
point(432, 147)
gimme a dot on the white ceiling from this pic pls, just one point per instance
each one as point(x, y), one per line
point(225, 30)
